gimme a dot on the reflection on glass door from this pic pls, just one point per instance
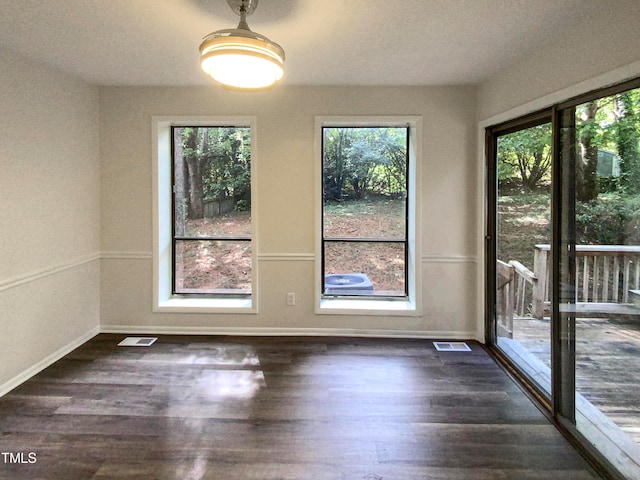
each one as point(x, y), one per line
point(599, 285)
point(522, 245)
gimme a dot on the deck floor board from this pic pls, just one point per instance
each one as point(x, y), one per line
point(607, 364)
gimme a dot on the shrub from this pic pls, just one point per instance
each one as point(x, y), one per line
point(242, 206)
point(610, 220)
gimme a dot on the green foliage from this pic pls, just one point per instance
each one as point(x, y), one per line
point(610, 220)
point(242, 206)
point(610, 124)
point(210, 163)
point(216, 165)
point(358, 161)
point(627, 137)
point(227, 172)
point(525, 156)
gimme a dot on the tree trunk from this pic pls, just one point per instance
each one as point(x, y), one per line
point(586, 179)
point(196, 205)
point(178, 183)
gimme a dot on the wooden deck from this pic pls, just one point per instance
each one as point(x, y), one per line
point(279, 409)
point(607, 364)
point(607, 283)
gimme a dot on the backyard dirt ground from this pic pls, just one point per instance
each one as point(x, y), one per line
point(523, 222)
point(211, 265)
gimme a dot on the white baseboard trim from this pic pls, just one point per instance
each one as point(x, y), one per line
point(47, 361)
point(287, 332)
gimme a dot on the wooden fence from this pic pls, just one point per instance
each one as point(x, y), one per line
point(213, 208)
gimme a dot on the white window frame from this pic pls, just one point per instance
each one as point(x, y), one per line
point(163, 298)
point(412, 304)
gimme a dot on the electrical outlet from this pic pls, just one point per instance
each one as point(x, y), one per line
point(291, 299)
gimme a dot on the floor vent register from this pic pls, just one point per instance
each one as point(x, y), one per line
point(137, 342)
point(451, 346)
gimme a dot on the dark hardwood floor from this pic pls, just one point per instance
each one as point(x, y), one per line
point(194, 407)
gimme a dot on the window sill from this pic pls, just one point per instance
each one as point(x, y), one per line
point(341, 306)
point(206, 305)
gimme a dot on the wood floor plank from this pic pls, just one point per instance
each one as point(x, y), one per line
point(278, 408)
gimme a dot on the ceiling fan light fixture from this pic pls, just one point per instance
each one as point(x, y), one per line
point(239, 58)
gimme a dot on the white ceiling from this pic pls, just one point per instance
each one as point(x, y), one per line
point(327, 42)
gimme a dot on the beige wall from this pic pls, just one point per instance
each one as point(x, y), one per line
point(285, 205)
point(49, 215)
point(576, 61)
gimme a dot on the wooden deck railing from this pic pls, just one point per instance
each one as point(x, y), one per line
point(605, 274)
point(515, 284)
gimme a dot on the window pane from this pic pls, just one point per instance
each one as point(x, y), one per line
point(364, 268)
point(379, 218)
point(212, 181)
point(206, 266)
point(523, 213)
point(603, 139)
point(364, 182)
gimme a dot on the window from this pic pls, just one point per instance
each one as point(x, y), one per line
point(368, 213)
point(205, 242)
point(364, 211)
point(211, 210)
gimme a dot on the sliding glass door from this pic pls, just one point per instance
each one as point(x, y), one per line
point(598, 245)
point(521, 182)
point(563, 265)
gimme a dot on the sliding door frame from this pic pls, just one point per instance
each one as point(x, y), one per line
point(491, 147)
point(562, 407)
